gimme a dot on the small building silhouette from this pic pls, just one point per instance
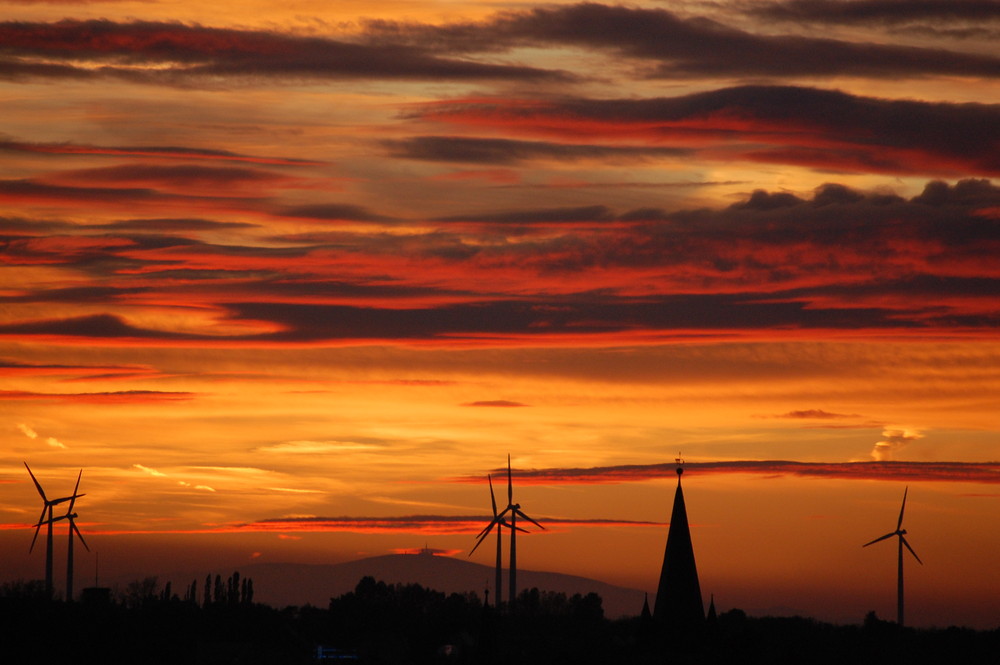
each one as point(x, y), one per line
point(678, 606)
point(96, 596)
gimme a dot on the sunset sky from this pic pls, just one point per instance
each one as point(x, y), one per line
point(287, 280)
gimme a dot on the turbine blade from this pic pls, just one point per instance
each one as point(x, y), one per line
point(888, 535)
point(64, 499)
point(483, 537)
point(510, 484)
point(496, 520)
point(52, 520)
point(73, 498)
point(506, 525)
point(530, 520)
point(911, 550)
point(37, 528)
point(75, 529)
point(37, 485)
point(899, 524)
point(486, 529)
point(493, 497)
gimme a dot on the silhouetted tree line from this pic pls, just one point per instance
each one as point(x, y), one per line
point(410, 624)
point(397, 624)
point(147, 623)
point(234, 591)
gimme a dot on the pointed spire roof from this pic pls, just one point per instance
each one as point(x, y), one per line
point(678, 597)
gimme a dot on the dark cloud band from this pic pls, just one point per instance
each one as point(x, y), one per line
point(971, 472)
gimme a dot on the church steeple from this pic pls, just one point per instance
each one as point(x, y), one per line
point(678, 598)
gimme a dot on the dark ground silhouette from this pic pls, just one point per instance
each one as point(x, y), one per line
point(402, 624)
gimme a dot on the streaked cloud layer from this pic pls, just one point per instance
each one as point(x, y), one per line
point(881, 470)
point(421, 524)
point(661, 274)
point(265, 263)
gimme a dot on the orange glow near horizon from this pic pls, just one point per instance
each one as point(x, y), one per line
point(287, 282)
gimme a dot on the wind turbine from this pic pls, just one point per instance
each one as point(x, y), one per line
point(498, 521)
point(70, 517)
point(47, 506)
point(901, 533)
point(514, 509)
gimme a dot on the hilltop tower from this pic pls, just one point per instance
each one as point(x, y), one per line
point(679, 605)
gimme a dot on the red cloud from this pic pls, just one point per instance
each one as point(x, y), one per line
point(171, 53)
point(810, 127)
point(585, 273)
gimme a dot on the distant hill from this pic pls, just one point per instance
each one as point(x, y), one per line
point(283, 584)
